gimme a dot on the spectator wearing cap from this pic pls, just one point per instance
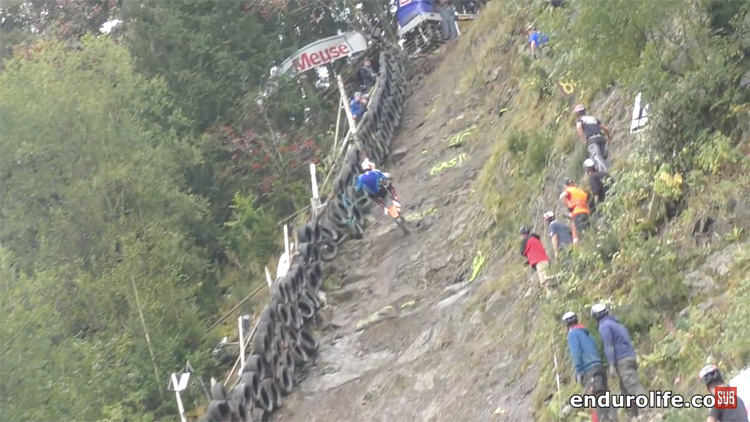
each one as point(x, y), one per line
point(559, 232)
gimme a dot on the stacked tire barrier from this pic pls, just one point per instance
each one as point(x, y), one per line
point(284, 344)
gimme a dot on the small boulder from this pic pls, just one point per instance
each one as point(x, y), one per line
point(698, 282)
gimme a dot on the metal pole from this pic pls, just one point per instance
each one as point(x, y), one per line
point(286, 240)
point(242, 345)
point(315, 200)
point(268, 278)
point(347, 110)
point(179, 399)
point(338, 123)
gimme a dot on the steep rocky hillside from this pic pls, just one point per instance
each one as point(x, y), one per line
point(447, 324)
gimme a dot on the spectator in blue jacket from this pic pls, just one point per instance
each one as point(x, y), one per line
point(619, 351)
point(358, 106)
point(588, 365)
point(536, 39)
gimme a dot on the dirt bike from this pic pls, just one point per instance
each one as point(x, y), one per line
point(392, 207)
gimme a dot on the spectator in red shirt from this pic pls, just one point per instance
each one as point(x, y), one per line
point(533, 250)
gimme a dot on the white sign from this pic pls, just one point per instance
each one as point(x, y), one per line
point(323, 52)
point(640, 115)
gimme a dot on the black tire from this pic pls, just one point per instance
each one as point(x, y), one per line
point(314, 276)
point(252, 380)
point(296, 318)
point(218, 411)
point(277, 293)
point(287, 285)
point(268, 317)
point(289, 361)
point(285, 316)
point(218, 392)
point(299, 355)
point(261, 342)
point(313, 297)
point(265, 399)
point(309, 252)
point(278, 400)
point(308, 342)
point(310, 232)
point(256, 365)
point(244, 394)
point(306, 307)
point(285, 380)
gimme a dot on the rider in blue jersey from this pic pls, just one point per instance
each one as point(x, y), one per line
point(374, 183)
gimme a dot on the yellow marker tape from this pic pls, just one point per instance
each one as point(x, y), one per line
point(477, 265)
point(460, 137)
point(453, 162)
point(409, 304)
point(422, 214)
point(361, 323)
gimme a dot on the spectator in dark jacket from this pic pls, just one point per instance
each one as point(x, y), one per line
point(588, 365)
point(599, 182)
point(619, 351)
point(533, 250)
point(447, 19)
point(367, 75)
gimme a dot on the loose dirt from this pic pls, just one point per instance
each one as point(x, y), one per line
point(401, 342)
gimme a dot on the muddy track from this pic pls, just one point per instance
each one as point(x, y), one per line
point(397, 342)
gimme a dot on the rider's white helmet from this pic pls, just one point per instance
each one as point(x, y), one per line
point(588, 163)
point(367, 164)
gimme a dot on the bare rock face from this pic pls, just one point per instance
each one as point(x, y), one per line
point(699, 282)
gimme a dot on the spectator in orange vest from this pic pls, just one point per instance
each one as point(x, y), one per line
point(576, 200)
point(533, 250)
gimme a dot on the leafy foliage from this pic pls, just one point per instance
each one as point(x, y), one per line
point(93, 211)
point(687, 59)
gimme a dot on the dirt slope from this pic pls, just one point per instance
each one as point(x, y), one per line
point(426, 356)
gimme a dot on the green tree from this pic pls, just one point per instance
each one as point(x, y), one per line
point(211, 53)
point(100, 233)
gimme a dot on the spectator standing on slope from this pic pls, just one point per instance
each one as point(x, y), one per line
point(588, 365)
point(559, 233)
point(367, 75)
point(533, 250)
point(620, 353)
point(599, 183)
point(448, 19)
point(577, 202)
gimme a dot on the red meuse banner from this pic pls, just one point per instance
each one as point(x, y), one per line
point(324, 51)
